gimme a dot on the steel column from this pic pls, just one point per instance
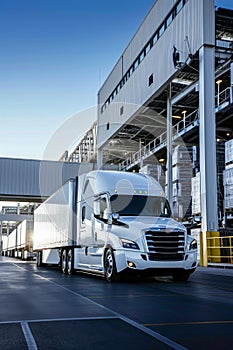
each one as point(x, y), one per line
point(207, 134)
point(169, 146)
point(231, 88)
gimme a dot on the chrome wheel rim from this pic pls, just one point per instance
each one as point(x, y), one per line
point(64, 260)
point(109, 264)
point(69, 261)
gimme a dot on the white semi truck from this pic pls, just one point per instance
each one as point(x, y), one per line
point(19, 243)
point(112, 222)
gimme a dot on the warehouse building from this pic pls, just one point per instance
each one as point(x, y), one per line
point(166, 108)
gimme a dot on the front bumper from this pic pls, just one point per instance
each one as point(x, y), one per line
point(139, 261)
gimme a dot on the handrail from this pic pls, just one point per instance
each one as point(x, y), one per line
point(222, 97)
point(220, 249)
point(160, 141)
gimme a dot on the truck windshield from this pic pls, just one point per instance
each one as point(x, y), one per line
point(127, 205)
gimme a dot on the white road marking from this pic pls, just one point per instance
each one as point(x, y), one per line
point(137, 325)
point(28, 336)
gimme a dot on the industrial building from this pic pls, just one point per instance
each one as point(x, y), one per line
point(167, 106)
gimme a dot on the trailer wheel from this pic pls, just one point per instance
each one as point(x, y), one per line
point(39, 259)
point(64, 261)
point(181, 276)
point(110, 270)
point(70, 261)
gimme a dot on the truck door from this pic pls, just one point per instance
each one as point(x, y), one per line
point(86, 227)
point(101, 214)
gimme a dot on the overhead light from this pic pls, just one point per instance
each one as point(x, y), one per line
point(227, 38)
point(176, 117)
point(219, 81)
point(218, 140)
point(184, 112)
point(161, 160)
point(182, 81)
point(228, 134)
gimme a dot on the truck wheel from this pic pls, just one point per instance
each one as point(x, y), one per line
point(64, 261)
point(110, 270)
point(181, 276)
point(70, 261)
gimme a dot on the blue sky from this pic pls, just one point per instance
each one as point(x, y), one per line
point(55, 54)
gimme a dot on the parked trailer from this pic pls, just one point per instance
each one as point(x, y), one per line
point(111, 222)
point(19, 243)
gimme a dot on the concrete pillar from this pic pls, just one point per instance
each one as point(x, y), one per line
point(207, 135)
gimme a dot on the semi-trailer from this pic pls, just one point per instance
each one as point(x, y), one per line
point(112, 222)
point(19, 243)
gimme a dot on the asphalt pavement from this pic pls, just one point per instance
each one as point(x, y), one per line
point(43, 309)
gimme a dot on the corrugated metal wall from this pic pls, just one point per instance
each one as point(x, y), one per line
point(195, 21)
point(31, 179)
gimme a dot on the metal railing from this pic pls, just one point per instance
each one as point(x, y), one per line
point(220, 250)
point(184, 125)
point(223, 98)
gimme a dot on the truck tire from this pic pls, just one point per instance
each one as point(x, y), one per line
point(70, 261)
point(181, 276)
point(64, 261)
point(110, 270)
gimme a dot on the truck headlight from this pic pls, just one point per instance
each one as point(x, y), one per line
point(126, 243)
point(193, 245)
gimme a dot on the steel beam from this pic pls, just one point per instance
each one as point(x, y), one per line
point(16, 217)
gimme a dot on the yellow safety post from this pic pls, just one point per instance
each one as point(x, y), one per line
point(203, 249)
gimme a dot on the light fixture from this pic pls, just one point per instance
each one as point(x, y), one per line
point(184, 115)
point(219, 81)
point(176, 117)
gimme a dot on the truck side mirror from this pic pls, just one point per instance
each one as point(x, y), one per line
point(83, 214)
point(115, 216)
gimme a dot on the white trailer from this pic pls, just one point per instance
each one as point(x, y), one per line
point(112, 222)
point(19, 243)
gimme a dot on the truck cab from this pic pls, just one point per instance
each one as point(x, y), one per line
point(125, 225)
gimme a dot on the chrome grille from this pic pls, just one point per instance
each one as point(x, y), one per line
point(165, 245)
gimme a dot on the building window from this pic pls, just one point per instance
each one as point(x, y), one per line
point(108, 126)
point(169, 20)
point(142, 56)
point(161, 30)
point(136, 63)
point(121, 110)
point(155, 38)
point(148, 48)
point(179, 6)
point(151, 79)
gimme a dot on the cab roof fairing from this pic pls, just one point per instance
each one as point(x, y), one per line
point(124, 183)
